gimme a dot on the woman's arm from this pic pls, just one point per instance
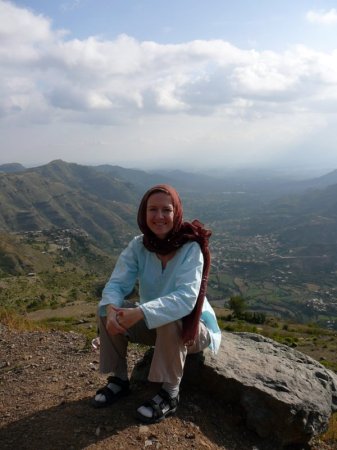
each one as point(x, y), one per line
point(122, 279)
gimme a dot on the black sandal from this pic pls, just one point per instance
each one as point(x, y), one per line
point(161, 410)
point(111, 397)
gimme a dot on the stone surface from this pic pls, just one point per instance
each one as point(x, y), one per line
point(285, 395)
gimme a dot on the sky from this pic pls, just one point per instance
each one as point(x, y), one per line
point(187, 84)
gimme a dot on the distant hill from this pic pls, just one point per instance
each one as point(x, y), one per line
point(267, 184)
point(64, 195)
point(328, 179)
point(321, 182)
point(313, 202)
point(305, 224)
point(12, 168)
point(314, 222)
point(142, 180)
point(184, 182)
point(17, 258)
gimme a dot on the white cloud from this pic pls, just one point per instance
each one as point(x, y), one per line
point(70, 5)
point(202, 93)
point(19, 25)
point(322, 17)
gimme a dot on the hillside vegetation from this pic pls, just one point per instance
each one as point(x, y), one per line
point(65, 195)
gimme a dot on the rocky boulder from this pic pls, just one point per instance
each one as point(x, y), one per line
point(286, 396)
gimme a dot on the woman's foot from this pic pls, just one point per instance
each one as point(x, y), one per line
point(113, 391)
point(159, 407)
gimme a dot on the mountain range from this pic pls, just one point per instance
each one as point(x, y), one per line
point(274, 240)
point(102, 200)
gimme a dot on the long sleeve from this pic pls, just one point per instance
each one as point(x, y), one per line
point(122, 279)
point(184, 278)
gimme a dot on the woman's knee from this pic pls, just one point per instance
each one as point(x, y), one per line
point(171, 329)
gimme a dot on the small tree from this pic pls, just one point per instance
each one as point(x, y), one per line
point(237, 304)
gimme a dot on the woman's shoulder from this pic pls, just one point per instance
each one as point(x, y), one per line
point(191, 249)
point(137, 240)
point(134, 249)
point(136, 243)
point(191, 245)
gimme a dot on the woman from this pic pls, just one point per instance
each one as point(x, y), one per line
point(171, 262)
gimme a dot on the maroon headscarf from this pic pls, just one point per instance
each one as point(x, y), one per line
point(181, 233)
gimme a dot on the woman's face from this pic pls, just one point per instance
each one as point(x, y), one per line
point(159, 214)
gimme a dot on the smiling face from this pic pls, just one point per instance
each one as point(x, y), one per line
point(160, 214)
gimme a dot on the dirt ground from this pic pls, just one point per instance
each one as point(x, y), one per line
point(48, 378)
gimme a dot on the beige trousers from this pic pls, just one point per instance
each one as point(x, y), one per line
point(169, 351)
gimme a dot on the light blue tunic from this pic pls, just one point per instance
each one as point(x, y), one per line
point(166, 294)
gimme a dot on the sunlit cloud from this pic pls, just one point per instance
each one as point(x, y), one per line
point(322, 17)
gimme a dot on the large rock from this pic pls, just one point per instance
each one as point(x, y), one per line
point(286, 396)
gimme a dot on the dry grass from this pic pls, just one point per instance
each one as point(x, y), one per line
point(18, 322)
point(330, 435)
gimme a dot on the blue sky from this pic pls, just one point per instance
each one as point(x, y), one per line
point(192, 84)
point(263, 24)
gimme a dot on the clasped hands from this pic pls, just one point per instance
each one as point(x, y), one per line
point(120, 319)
